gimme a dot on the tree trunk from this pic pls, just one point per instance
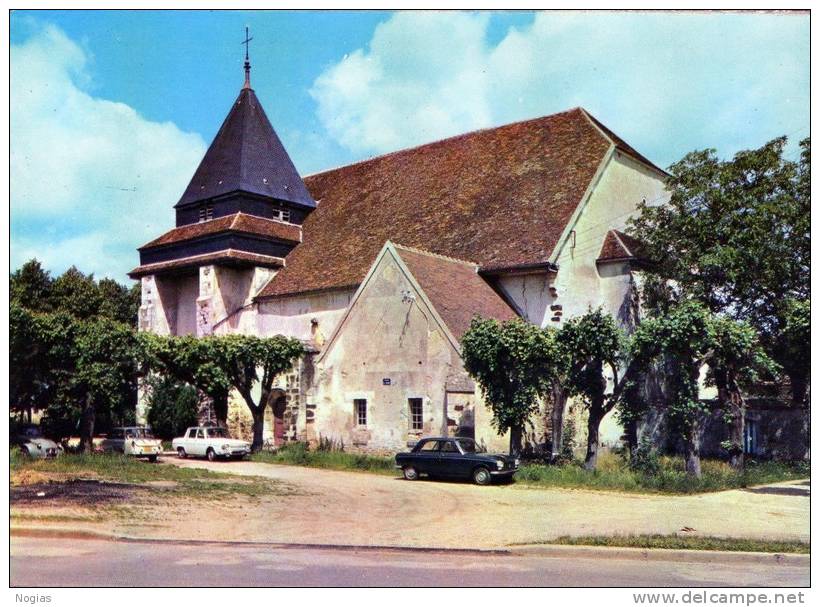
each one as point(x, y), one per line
point(734, 410)
point(87, 427)
point(691, 450)
point(631, 435)
point(516, 433)
point(596, 414)
point(220, 405)
point(559, 403)
point(258, 428)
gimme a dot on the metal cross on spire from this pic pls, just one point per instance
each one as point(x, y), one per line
point(246, 42)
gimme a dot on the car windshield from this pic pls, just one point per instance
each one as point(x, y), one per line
point(470, 446)
point(217, 433)
point(138, 433)
point(31, 432)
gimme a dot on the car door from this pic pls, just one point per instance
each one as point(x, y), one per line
point(198, 442)
point(451, 460)
point(426, 458)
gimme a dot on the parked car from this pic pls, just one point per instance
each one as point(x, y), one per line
point(211, 442)
point(31, 442)
point(137, 441)
point(455, 458)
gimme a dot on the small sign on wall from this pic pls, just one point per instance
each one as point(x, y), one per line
point(386, 381)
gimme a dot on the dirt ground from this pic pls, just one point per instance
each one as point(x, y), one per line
point(330, 507)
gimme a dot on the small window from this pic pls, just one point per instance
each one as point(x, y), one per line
point(430, 445)
point(206, 213)
point(192, 433)
point(360, 407)
point(416, 414)
point(281, 214)
point(200, 433)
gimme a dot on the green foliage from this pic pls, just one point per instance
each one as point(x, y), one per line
point(614, 474)
point(680, 542)
point(735, 236)
point(300, 454)
point(215, 364)
point(30, 287)
point(515, 364)
point(568, 441)
point(73, 293)
point(59, 362)
point(173, 406)
point(644, 458)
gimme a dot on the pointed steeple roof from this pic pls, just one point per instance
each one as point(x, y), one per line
point(247, 155)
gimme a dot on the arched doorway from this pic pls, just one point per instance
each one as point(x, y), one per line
point(278, 402)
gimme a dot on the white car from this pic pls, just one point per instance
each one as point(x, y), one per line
point(33, 444)
point(136, 441)
point(211, 442)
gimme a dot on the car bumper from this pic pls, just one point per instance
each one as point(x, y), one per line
point(502, 473)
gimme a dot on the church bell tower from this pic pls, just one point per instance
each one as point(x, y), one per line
point(237, 220)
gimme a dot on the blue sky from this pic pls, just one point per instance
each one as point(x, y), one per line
point(112, 110)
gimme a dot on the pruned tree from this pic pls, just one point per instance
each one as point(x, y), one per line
point(255, 361)
point(595, 348)
point(515, 364)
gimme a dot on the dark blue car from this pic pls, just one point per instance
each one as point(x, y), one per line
point(455, 458)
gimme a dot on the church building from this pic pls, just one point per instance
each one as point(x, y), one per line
point(379, 266)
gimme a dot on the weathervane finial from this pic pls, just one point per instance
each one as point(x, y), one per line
point(246, 42)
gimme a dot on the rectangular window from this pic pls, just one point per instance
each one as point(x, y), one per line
point(281, 214)
point(416, 414)
point(360, 407)
point(206, 213)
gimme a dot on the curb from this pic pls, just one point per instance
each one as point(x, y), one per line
point(63, 533)
point(542, 550)
point(662, 554)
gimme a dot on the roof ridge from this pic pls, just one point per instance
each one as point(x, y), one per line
point(431, 254)
point(443, 140)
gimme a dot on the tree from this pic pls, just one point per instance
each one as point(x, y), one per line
point(173, 406)
point(515, 364)
point(678, 338)
point(735, 236)
point(30, 287)
point(594, 344)
point(77, 294)
point(119, 302)
point(735, 360)
point(201, 363)
point(246, 357)
point(107, 365)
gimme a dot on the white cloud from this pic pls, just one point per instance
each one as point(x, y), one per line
point(91, 179)
point(667, 83)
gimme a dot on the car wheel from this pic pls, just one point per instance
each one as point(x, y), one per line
point(410, 473)
point(181, 452)
point(482, 476)
point(152, 458)
point(211, 455)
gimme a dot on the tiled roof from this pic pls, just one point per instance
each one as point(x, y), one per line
point(497, 197)
point(618, 246)
point(247, 155)
point(238, 222)
point(231, 256)
point(455, 289)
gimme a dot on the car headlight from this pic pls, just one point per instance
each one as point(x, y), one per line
point(517, 462)
point(500, 464)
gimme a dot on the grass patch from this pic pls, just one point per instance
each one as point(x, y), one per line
point(189, 482)
point(54, 518)
point(678, 542)
point(614, 474)
point(299, 454)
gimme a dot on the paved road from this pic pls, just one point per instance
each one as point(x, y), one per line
point(50, 562)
